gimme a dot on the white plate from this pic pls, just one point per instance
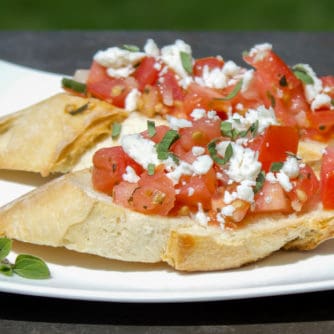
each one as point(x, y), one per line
point(80, 276)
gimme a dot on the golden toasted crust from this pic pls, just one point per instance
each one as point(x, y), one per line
point(68, 212)
point(47, 138)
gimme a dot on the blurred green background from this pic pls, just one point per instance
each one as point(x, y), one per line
point(307, 15)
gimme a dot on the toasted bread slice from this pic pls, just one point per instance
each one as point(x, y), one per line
point(50, 136)
point(68, 212)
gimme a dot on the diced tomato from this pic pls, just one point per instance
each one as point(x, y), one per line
point(280, 88)
point(160, 132)
point(327, 178)
point(170, 89)
point(150, 102)
point(205, 98)
point(104, 87)
point(200, 134)
point(275, 143)
point(155, 194)
point(271, 198)
point(109, 165)
point(196, 189)
point(146, 73)
point(122, 193)
point(305, 187)
point(328, 83)
point(210, 62)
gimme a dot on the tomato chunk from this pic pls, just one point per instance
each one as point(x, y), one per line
point(275, 143)
point(210, 62)
point(146, 73)
point(327, 178)
point(271, 198)
point(155, 194)
point(109, 165)
point(111, 90)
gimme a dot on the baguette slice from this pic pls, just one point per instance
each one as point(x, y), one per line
point(67, 212)
point(46, 138)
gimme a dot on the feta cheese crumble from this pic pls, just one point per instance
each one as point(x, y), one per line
point(131, 100)
point(259, 51)
point(130, 175)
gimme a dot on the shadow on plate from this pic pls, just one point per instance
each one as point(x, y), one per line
point(26, 178)
point(64, 257)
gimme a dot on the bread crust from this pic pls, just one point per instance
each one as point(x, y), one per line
point(67, 212)
point(46, 138)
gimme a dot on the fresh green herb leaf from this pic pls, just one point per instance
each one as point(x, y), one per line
point(150, 169)
point(131, 48)
point(174, 157)
point(226, 128)
point(79, 110)
point(259, 181)
point(5, 247)
point(272, 99)
point(283, 82)
point(228, 153)
point(162, 148)
point(233, 93)
point(228, 131)
point(301, 73)
point(116, 130)
point(254, 128)
point(151, 128)
point(187, 62)
point(74, 85)
point(276, 166)
point(214, 154)
point(332, 102)
point(32, 267)
point(6, 269)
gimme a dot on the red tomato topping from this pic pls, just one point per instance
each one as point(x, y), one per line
point(109, 166)
point(327, 178)
point(210, 62)
point(104, 87)
point(271, 198)
point(146, 73)
point(155, 194)
point(275, 143)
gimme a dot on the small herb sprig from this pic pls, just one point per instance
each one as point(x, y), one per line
point(25, 265)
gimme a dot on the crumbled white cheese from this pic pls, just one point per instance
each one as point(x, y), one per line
point(130, 175)
point(131, 100)
point(228, 210)
point(214, 78)
point(197, 150)
point(151, 49)
point(284, 181)
point(271, 177)
point(202, 164)
point(183, 168)
point(311, 90)
point(245, 191)
point(191, 191)
point(230, 197)
point(200, 216)
point(170, 54)
point(291, 167)
point(197, 114)
point(219, 77)
point(246, 80)
point(212, 115)
point(140, 149)
point(259, 51)
point(178, 123)
point(221, 220)
point(243, 164)
point(119, 62)
point(321, 100)
point(264, 116)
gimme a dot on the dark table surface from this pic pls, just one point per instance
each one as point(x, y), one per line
point(64, 51)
